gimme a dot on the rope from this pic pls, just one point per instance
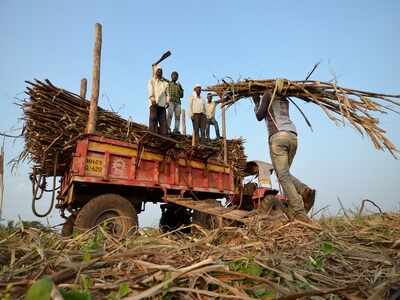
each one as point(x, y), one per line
point(279, 84)
point(41, 184)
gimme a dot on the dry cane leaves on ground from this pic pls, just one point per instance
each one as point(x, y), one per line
point(347, 258)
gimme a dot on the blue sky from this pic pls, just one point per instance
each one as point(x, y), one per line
point(356, 41)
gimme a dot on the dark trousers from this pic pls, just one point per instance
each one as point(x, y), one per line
point(213, 122)
point(158, 117)
point(199, 126)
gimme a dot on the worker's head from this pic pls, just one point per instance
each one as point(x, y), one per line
point(209, 97)
point(159, 73)
point(197, 89)
point(174, 76)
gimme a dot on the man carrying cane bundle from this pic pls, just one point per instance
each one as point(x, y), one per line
point(282, 146)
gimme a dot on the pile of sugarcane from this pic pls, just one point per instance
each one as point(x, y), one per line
point(347, 258)
point(338, 103)
point(55, 119)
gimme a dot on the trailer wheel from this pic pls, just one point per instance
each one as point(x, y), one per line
point(174, 216)
point(68, 226)
point(113, 210)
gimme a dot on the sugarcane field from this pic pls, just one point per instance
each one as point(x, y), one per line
point(199, 150)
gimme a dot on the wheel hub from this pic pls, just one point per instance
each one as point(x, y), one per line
point(112, 221)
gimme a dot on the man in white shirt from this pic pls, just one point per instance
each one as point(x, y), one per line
point(197, 112)
point(210, 114)
point(158, 102)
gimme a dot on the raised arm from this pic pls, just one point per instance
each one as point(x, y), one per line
point(150, 92)
point(167, 93)
point(261, 108)
point(154, 68)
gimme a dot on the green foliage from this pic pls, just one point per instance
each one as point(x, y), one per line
point(123, 291)
point(74, 294)
point(247, 266)
point(263, 293)
point(92, 245)
point(303, 285)
point(167, 276)
point(317, 262)
point(86, 282)
point(359, 220)
point(326, 248)
point(41, 289)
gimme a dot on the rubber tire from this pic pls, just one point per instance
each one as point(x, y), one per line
point(91, 211)
point(68, 227)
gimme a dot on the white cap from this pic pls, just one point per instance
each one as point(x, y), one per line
point(197, 85)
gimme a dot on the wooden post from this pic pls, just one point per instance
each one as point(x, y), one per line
point(183, 122)
point(91, 127)
point(223, 116)
point(83, 88)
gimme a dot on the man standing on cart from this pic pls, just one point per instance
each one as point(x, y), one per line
point(197, 112)
point(157, 88)
point(175, 92)
point(210, 113)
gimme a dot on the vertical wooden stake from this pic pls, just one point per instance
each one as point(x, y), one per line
point(91, 128)
point(183, 122)
point(83, 88)
point(223, 116)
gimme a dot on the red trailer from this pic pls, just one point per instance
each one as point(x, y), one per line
point(110, 179)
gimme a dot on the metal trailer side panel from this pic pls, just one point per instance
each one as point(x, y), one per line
point(105, 161)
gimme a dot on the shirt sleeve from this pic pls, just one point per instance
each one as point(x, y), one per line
point(180, 91)
point(153, 70)
point(190, 109)
point(167, 92)
point(150, 91)
point(262, 109)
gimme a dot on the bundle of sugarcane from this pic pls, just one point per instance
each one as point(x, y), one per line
point(338, 103)
point(55, 119)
